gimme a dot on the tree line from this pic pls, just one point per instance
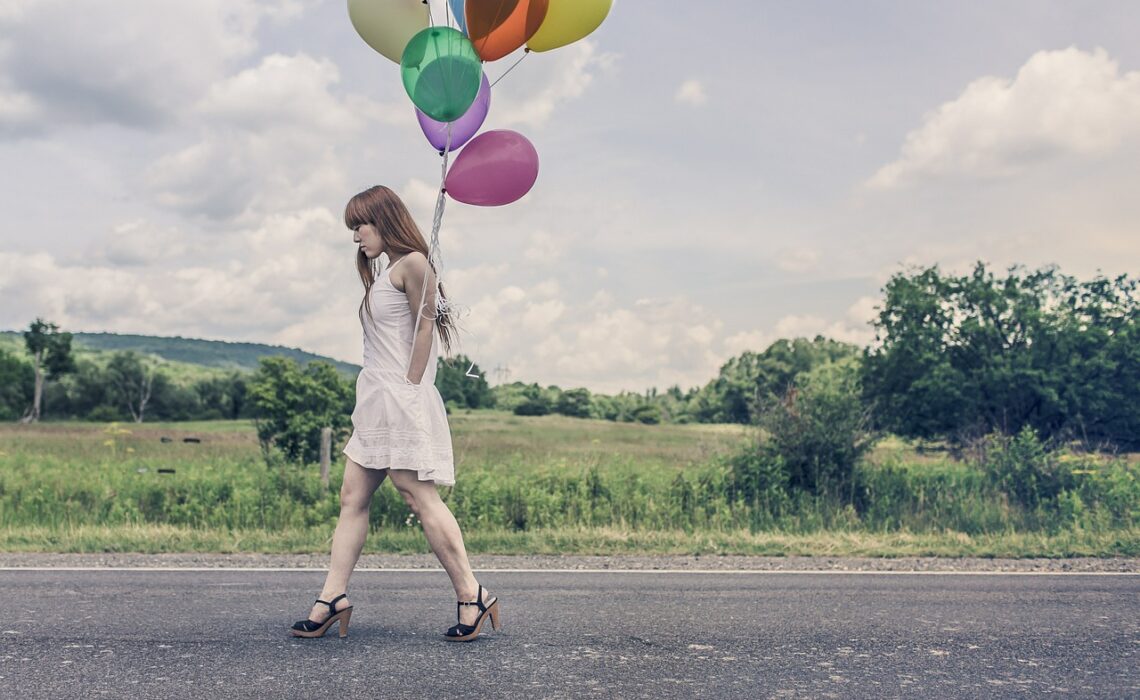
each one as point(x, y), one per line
point(119, 386)
point(955, 357)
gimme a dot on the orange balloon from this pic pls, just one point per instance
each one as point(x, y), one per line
point(498, 27)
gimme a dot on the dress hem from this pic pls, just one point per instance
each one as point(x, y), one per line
point(422, 473)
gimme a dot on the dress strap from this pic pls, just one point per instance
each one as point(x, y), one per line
point(396, 263)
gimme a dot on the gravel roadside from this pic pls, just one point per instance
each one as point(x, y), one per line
point(626, 562)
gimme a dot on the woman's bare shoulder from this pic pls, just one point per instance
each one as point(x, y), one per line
point(416, 259)
point(413, 266)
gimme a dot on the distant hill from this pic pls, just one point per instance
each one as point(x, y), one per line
point(218, 354)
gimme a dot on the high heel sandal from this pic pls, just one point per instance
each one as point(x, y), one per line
point(309, 629)
point(467, 633)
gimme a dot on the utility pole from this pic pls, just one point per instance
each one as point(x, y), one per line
point(502, 374)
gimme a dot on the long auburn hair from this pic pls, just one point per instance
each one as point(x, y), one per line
point(382, 208)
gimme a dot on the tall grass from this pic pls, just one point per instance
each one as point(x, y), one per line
point(533, 484)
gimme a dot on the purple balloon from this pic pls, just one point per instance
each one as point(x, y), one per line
point(463, 128)
point(496, 168)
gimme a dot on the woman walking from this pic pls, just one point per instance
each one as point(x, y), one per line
point(400, 428)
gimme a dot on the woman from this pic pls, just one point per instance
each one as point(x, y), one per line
point(400, 428)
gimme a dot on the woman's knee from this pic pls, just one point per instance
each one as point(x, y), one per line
point(358, 486)
point(417, 494)
point(409, 496)
point(354, 497)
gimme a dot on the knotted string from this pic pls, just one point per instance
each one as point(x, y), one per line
point(443, 306)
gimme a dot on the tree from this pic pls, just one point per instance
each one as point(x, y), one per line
point(50, 349)
point(134, 380)
point(820, 430)
point(17, 382)
point(646, 413)
point(460, 380)
point(536, 402)
point(92, 395)
point(293, 404)
point(222, 397)
point(574, 403)
point(748, 382)
point(958, 357)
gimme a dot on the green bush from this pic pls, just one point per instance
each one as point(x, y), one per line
point(294, 404)
point(574, 403)
point(648, 414)
point(1023, 468)
point(17, 382)
point(820, 430)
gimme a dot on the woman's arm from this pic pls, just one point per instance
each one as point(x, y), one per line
point(412, 272)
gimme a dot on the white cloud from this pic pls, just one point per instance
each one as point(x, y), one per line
point(420, 198)
point(798, 259)
point(853, 328)
point(140, 243)
point(17, 108)
point(466, 283)
point(139, 64)
point(612, 347)
point(863, 311)
point(691, 92)
point(1067, 102)
point(275, 283)
point(275, 139)
point(282, 91)
point(544, 248)
point(546, 84)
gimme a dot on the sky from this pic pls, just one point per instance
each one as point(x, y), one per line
point(713, 176)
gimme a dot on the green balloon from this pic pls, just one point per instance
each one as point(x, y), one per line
point(441, 72)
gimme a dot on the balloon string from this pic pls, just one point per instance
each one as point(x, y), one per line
point(435, 258)
point(526, 52)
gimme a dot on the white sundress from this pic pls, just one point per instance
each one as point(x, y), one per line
point(397, 424)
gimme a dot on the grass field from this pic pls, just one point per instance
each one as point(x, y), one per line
point(546, 484)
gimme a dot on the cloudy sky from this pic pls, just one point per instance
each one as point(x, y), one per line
point(714, 175)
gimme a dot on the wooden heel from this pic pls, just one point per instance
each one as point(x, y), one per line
point(467, 633)
point(496, 621)
point(311, 630)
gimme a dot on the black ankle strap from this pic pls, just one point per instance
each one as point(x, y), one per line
point(478, 600)
point(332, 604)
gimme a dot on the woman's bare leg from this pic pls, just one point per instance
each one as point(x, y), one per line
point(351, 529)
point(443, 535)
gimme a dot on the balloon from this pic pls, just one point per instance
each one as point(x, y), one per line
point(463, 128)
point(387, 25)
point(568, 21)
point(457, 12)
point(441, 73)
point(498, 27)
point(496, 168)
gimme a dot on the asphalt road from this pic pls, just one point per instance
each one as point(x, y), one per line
point(208, 634)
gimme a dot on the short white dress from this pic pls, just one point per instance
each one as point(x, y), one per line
point(397, 424)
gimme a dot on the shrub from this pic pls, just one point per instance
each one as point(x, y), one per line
point(820, 430)
point(538, 406)
point(535, 402)
point(647, 413)
point(574, 403)
point(1023, 467)
point(294, 404)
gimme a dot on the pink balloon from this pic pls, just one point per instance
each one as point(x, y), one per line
point(495, 168)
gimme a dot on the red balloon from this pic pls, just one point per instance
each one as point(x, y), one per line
point(498, 27)
point(494, 168)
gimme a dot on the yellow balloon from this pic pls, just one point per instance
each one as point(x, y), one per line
point(388, 25)
point(568, 21)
